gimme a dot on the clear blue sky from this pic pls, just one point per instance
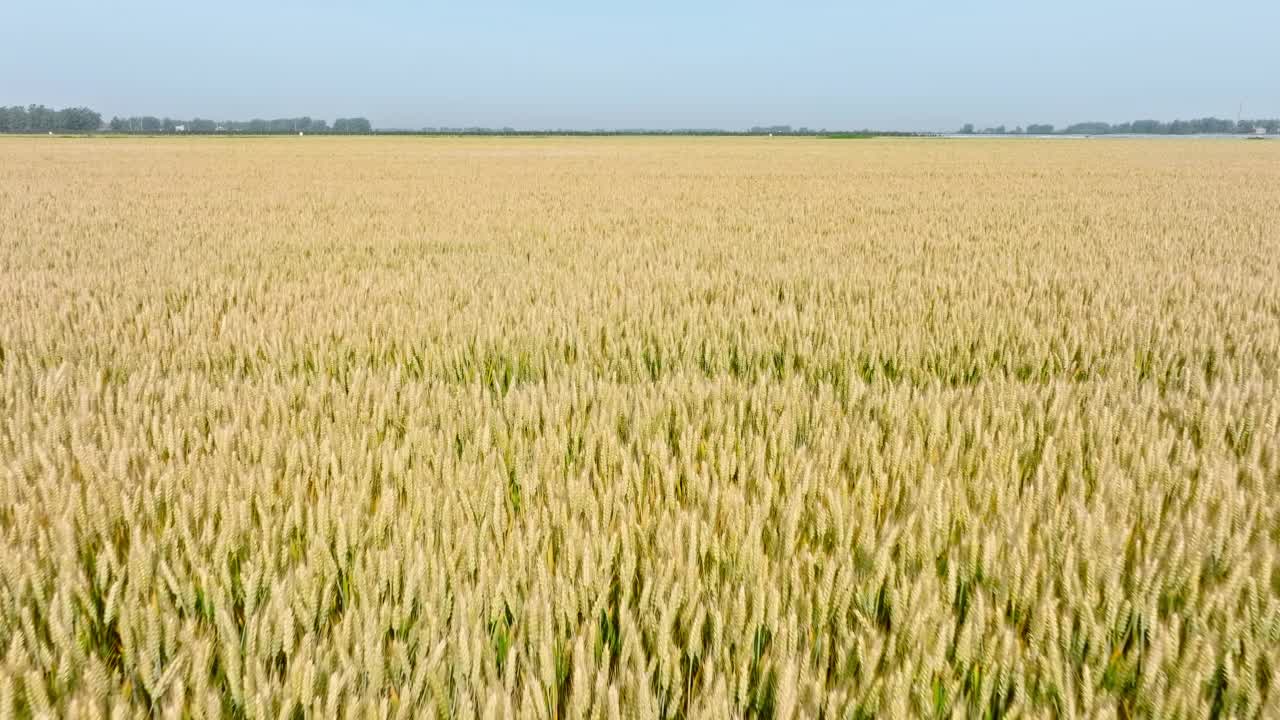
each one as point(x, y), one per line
point(660, 64)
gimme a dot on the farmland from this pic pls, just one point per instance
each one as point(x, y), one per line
point(348, 427)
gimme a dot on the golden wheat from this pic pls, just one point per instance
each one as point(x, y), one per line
point(639, 428)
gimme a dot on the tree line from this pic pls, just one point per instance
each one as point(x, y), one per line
point(40, 119)
point(1198, 126)
point(257, 126)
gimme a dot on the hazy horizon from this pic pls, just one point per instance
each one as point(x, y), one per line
point(570, 65)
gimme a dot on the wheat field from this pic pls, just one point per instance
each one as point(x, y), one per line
point(681, 428)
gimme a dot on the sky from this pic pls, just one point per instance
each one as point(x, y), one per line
point(661, 64)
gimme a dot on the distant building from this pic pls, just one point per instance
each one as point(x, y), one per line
point(179, 128)
point(1259, 131)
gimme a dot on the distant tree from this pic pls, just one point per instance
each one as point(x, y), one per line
point(85, 120)
point(352, 126)
point(12, 119)
point(1088, 128)
point(967, 129)
point(40, 118)
point(1216, 125)
point(79, 119)
point(1040, 129)
point(151, 124)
